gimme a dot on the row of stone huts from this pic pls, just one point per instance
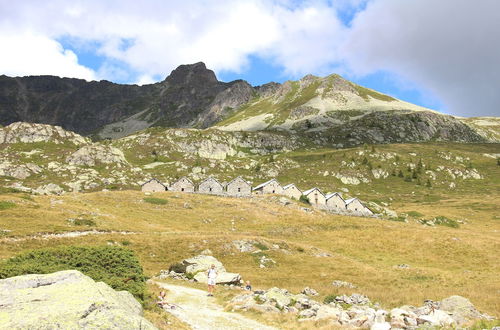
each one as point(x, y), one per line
point(241, 188)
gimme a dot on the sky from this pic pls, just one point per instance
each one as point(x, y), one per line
point(443, 54)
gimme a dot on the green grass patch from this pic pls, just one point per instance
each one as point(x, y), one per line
point(116, 266)
point(6, 205)
point(156, 201)
point(83, 222)
point(261, 246)
point(414, 214)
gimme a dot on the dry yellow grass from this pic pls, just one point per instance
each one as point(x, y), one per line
point(443, 261)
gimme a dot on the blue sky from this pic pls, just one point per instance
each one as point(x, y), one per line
point(413, 50)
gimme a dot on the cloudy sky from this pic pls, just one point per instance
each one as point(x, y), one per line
point(441, 54)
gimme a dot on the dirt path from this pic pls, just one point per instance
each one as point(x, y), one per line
point(202, 312)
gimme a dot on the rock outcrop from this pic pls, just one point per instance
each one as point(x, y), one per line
point(21, 132)
point(196, 269)
point(94, 154)
point(67, 300)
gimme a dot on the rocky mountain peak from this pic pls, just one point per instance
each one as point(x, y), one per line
point(189, 73)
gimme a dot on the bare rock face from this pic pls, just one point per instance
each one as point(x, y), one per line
point(67, 300)
point(20, 132)
point(94, 154)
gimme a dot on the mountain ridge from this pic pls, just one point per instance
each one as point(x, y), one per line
point(331, 109)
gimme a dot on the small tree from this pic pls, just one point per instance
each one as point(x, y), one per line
point(408, 168)
point(364, 161)
point(370, 166)
point(428, 184)
point(414, 175)
point(400, 174)
point(373, 149)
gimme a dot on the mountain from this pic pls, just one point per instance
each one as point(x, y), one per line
point(191, 94)
point(329, 111)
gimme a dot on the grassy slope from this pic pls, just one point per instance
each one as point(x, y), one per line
point(443, 260)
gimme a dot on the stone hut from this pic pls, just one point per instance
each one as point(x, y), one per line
point(183, 185)
point(354, 205)
point(291, 190)
point(153, 185)
point(335, 202)
point(239, 187)
point(211, 186)
point(316, 197)
point(269, 187)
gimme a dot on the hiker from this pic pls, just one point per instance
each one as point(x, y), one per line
point(248, 287)
point(161, 299)
point(212, 276)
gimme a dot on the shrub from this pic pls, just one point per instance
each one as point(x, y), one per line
point(299, 249)
point(408, 178)
point(304, 199)
point(83, 222)
point(177, 267)
point(414, 214)
point(400, 174)
point(261, 246)
point(154, 200)
point(428, 183)
point(330, 298)
point(116, 266)
point(6, 205)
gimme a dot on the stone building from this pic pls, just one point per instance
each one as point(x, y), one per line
point(291, 190)
point(316, 197)
point(239, 187)
point(354, 205)
point(153, 185)
point(269, 187)
point(335, 202)
point(211, 186)
point(183, 185)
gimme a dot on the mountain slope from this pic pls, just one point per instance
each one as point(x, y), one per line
point(329, 111)
point(190, 95)
point(337, 112)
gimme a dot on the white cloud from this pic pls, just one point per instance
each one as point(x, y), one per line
point(449, 46)
point(30, 54)
point(452, 47)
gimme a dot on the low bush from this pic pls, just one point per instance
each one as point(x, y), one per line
point(156, 201)
point(261, 246)
point(177, 267)
point(304, 199)
point(116, 266)
point(6, 205)
point(83, 222)
point(414, 214)
point(330, 298)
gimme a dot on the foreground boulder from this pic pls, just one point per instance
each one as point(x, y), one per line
point(196, 268)
point(67, 300)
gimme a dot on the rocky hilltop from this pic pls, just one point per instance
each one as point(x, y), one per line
point(331, 111)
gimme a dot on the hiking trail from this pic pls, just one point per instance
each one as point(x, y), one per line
point(202, 312)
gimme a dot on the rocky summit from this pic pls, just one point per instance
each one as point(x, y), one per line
point(67, 300)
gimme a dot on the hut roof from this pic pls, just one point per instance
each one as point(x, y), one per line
point(307, 192)
point(265, 184)
point(328, 196)
point(153, 179)
point(239, 177)
point(212, 178)
point(350, 200)
point(184, 177)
